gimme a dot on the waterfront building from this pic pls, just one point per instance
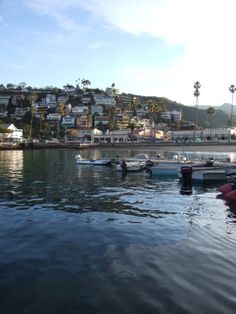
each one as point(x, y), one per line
point(204, 135)
point(116, 136)
point(15, 134)
point(149, 134)
point(82, 135)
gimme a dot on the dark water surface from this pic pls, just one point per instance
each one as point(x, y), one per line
point(83, 239)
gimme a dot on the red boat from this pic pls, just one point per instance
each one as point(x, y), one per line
point(228, 190)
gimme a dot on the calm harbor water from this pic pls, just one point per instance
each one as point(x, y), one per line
point(83, 239)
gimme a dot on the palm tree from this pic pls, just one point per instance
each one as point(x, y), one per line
point(134, 105)
point(85, 83)
point(32, 98)
point(155, 107)
point(196, 94)
point(133, 124)
point(232, 89)
point(211, 111)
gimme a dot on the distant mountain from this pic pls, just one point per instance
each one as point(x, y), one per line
point(220, 119)
point(226, 107)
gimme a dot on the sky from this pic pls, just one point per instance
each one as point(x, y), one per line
point(146, 47)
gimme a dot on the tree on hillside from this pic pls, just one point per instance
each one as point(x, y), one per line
point(134, 105)
point(211, 111)
point(32, 98)
point(85, 83)
point(155, 107)
point(4, 131)
point(132, 126)
point(68, 86)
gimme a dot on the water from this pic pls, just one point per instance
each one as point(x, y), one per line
point(83, 239)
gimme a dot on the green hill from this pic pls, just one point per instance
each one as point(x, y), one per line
point(219, 120)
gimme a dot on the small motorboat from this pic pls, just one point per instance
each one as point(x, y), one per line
point(208, 172)
point(131, 166)
point(92, 161)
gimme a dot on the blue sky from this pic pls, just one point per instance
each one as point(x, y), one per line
point(146, 47)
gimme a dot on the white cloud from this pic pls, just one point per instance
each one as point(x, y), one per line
point(205, 29)
point(59, 10)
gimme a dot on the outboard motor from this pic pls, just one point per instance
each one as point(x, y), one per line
point(209, 162)
point(148, 164)
point(123, 165)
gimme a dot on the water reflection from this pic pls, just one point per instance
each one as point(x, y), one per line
point(11, 172)
point(11, 161)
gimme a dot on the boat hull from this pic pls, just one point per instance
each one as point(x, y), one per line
point(131, 167)
point(100, 162)
point(209, 175)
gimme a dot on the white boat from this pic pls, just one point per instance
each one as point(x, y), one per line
point(170, 167)
point(139, 157)
point(206, 173)
point(131, 166)
point(92, 161)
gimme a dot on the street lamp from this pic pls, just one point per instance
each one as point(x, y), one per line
point(232, 89)
point(196, 93)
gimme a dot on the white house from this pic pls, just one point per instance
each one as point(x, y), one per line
point(15, 135)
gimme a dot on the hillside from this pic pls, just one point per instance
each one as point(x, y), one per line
point(226, 107)
point(219, 119)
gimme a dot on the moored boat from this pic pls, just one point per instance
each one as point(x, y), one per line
point(228, 190)
point(131, 166)
point(92, 161)
point(209, 171)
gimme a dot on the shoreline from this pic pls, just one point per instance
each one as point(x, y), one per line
point(204, 147)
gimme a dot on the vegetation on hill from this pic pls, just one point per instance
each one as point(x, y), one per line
point(220, 119)
point(155, 105)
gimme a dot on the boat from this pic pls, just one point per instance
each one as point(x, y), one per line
point(208, 172)
point(92, 161)
point(208, 175)
point(131, 166)
point(228, 190)
point(139, 157)
point(170, 167)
